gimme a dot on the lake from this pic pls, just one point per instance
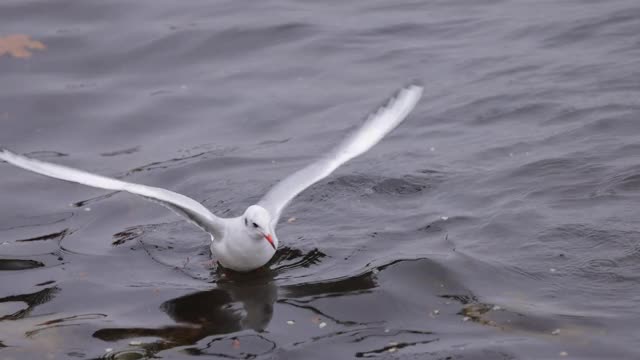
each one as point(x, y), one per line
point(499, 221)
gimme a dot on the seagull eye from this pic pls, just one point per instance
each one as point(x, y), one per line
point(255, 225)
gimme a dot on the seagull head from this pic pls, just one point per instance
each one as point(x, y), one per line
point(257, 222)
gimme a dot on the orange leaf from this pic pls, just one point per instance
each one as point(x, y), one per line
point(18, 45)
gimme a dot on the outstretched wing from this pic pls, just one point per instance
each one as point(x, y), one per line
point(185, 206)
point(376, 126)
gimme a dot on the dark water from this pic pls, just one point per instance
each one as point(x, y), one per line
point(498, 222)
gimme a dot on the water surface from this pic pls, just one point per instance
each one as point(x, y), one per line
point(498, 222)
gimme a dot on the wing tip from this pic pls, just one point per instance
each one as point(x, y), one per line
point(414, 83)
point(414, 87)
point(410, 92)
point(4, 153)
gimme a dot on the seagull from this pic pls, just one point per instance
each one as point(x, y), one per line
point(246, 242)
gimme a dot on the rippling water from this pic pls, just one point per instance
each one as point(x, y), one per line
point(498, 222)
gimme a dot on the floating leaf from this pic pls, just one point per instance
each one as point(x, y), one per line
point(18, 45)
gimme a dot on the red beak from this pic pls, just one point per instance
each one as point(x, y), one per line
point(270, 240)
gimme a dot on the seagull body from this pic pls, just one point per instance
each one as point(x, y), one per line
point(246, 242)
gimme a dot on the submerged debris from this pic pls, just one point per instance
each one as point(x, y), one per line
point(476, 313)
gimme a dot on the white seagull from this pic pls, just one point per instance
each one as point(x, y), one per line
point(246, 242)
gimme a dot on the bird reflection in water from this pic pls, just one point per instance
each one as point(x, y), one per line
point(239, 302)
